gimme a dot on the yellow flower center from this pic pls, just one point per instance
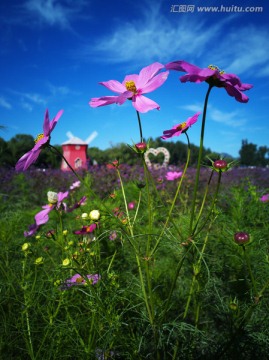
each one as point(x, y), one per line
point(39, 137)
point(181, 126)
point(214, 67)
point(79, 280)
point(130, 86)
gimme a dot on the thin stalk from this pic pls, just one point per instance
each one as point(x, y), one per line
point(125, 204)
point(250, 271)
point(140, 126)
point(194, 232)
point(196, 270)
point(70, 167)
point(28, 327)
point(175, 198)
point(199, 159)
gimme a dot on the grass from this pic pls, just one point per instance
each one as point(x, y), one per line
point(196, 298)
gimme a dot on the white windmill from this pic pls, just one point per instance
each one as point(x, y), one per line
point(75, 151)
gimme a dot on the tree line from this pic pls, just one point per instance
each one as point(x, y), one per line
point(10, 151)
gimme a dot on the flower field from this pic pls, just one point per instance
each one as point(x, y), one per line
point(133, 262)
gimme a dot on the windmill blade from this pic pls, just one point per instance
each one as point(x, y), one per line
point(69, 135)
point(91, 137)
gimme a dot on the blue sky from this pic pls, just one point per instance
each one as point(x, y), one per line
point(54, 53)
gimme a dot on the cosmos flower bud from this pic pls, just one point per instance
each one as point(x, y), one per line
point(141, 147)
point(52, 197)
point(39, 260)
point(220, 165)
point(241, 238)
point(25, 246)
point(94, 215)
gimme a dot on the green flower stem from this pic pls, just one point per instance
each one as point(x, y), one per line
point(137, 207)
point(70, 167)
point(175, 198)
point(26, 312)
point(199, 160)
point(194, 232)
point(250, 271)
point(151, 318)
point(203, 202)
point(125, 204)
point(140, 126)
point(196, 272)
point(172, 288)
point(142, 283)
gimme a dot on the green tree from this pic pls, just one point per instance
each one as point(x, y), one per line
point(248, 153)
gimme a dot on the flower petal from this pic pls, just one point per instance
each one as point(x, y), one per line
point(46, 123)
point(102, 101)
point(143, 104)
point(155, 82)
point(236, 93)
point(147, 73)
point(54, 121)
point(114, 85)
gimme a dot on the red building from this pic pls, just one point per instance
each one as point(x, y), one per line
point(75, 152)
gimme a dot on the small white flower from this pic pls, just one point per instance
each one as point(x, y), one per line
point(84, 216)
point(52, 197)
point(94, 215)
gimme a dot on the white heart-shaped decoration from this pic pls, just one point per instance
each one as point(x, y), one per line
point(155, 152)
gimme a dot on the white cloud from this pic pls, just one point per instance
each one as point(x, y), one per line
point(234, 119)
point(35, 98)
point(54, 12)
point(244, 51)
point(155, 36)
point(193, 107)
point(4, 103)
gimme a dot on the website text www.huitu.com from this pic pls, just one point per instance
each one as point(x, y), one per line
point(222, 8)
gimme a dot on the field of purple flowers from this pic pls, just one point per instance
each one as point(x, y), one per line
point(130, 262)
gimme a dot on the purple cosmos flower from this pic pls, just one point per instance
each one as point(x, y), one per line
point(180, 128)
point(133, 87)
point(77, 279)
point(173, 175)
point(265, 198)
point(42, 217)
point(41, 141)
point(213, 76)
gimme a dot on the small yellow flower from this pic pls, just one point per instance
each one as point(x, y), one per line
point(65, 232)
point(39, 260)
point(25, 246)
point(57, 282)
point(94, 215)
point(38, 237)
point(70, 243)
point(66, 262)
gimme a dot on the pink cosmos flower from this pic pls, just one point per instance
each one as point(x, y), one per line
point(173, 175)
point(41, 141)
point(133, 87)
point(75, 185)
point(86, 230)
point(180, 128)
point(213, 76)
point(77, 279)
point(42, 217)
point(265, 198)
